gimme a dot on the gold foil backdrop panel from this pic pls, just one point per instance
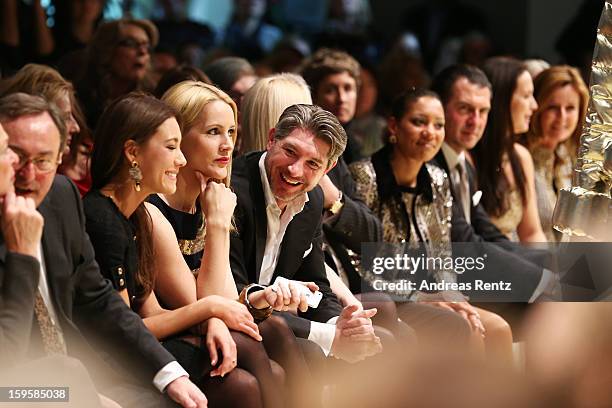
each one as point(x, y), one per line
point(585, 210)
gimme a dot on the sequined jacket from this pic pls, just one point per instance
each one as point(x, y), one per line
point(409, 215)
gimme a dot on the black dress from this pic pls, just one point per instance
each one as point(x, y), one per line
point(114, 240)
point(189, 230)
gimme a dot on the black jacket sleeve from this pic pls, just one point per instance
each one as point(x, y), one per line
point(355, 223)
point(19, 277)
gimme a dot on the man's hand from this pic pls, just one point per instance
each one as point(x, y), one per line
point(283, 296)
point(218, 337)
point(186, 394)
point(355, 338)
point(21, 225)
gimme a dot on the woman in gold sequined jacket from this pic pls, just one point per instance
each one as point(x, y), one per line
point(413, 201)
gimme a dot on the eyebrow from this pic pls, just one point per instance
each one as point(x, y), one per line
point(18, 150)
point(172, 139)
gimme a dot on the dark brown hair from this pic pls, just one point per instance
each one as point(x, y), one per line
point(443, 83)
point(326, 61)
point(498, 139)
point(135, 116)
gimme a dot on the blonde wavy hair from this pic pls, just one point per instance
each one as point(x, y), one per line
point(263, 105)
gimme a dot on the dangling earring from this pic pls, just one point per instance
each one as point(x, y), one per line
point(135, 175)
point(392, 139)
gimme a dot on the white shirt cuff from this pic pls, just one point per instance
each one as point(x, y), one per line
point(323, 334)
point(546, 281)
point(167, 374)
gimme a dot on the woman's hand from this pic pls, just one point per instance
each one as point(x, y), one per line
point(467, 311)
point(235, 315)
point(218, 338)
point(217, 202)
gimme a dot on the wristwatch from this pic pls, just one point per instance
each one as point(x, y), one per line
point(337, 205)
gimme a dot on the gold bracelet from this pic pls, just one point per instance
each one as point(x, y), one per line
point(259, 315)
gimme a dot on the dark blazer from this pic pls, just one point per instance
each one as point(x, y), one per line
point(480, 227)
point(86, 304)
point(303, 234)
point(354, 224)
point(507, 261)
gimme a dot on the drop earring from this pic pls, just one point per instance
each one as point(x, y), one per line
point(135, 175)
point(392, 139)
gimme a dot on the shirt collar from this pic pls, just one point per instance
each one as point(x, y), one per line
point(452, 157)
point(385, 181)
point(295, 206)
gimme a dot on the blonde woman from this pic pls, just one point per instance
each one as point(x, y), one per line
point(197, 220)
point(263, 104)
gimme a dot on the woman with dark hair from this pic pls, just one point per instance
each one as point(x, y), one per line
point(504, 168)
point(554, 136)
point(118, 62)
point(413, 201)
point(137, 153)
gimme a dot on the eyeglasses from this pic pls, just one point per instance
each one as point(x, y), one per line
point(42, 164)
point(135, 44)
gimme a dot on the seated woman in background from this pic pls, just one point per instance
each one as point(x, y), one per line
point(504, 168)
point(554, 136)
point(196, 221)
point(137, 153)
point(42, 80)
point(413, 201)
point(263, 104)
point(118, 62)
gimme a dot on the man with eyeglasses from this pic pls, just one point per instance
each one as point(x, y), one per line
point(72, 311)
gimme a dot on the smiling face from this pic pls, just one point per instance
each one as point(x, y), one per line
point(523, 104)
point(559, 114)
point(160, 158)
point(34, 138)
point(419, 132)
point(466, 114)
point(295, 164)
point(208, 145)
point(8, 159)
point(337, 93)
point(131, 57)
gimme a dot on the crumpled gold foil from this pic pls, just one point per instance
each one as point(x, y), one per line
point(585, 209)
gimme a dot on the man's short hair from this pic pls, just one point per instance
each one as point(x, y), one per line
point(443, 83)
point(327, 61)
point(311, 118)
point(16, 105)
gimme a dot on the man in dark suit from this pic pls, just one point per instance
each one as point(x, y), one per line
point(465, 92)
point(278, 219)
point(63, 296)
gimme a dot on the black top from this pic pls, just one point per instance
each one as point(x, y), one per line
point(189, 230)
point(114, 240)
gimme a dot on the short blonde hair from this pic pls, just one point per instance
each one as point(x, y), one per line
point(35, 79)
point(189, 98)
point(263, 105)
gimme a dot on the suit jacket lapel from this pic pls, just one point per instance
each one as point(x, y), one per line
point(261, 217)
point(54, 254)
point(442, 163)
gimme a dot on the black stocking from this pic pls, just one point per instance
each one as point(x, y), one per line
point(282, 346)
point(271, 378)
point(239, 388)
